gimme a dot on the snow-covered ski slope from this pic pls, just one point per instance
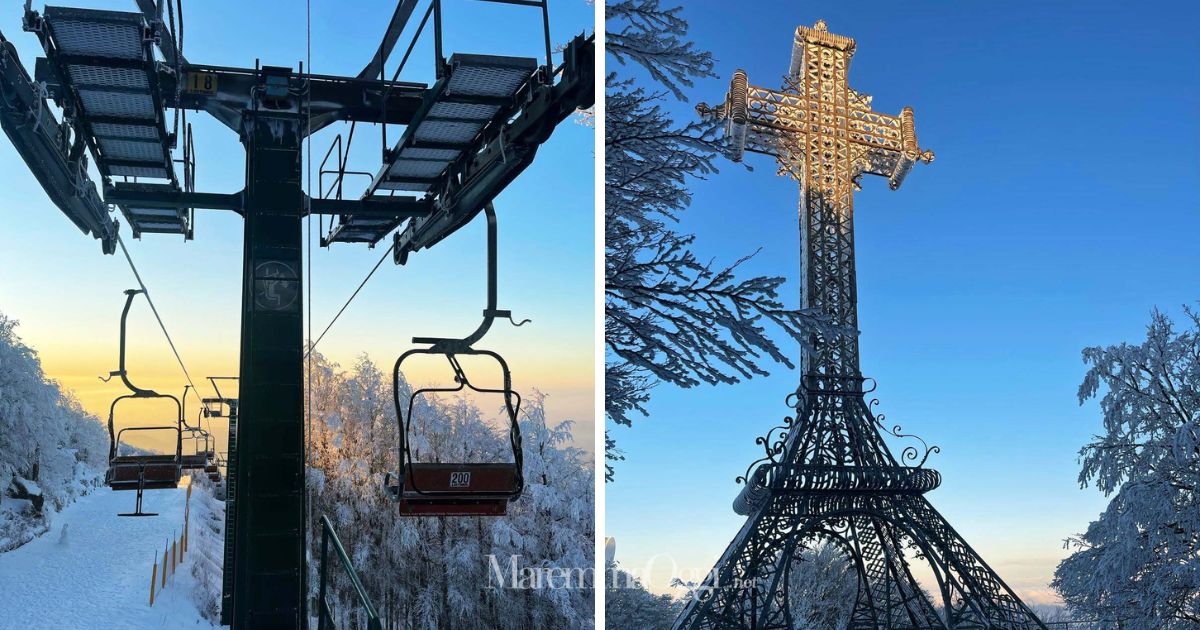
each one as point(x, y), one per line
point(98, 574)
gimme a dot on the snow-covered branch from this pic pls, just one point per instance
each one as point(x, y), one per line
point(670, 318)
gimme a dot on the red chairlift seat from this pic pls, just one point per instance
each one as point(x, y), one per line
point(197, 461)
point(142, 472)
point(214, 472)
point(203, 456)
point(458, 489)
point(151, 472)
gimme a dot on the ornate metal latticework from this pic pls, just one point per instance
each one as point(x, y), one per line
point(827, 475)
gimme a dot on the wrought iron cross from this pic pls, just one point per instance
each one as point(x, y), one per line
point(826, 136)
point(827, 476)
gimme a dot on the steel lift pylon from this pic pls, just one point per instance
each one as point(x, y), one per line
point(114, 76)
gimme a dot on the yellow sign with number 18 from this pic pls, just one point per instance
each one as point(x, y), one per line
point(201, 83)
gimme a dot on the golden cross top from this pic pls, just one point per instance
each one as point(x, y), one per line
point(823, 132)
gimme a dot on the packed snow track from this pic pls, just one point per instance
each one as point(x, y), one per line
point(97, 574)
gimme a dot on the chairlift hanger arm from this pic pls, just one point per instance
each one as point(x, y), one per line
point(121, 371)
point(490, 312)
point(214, 379)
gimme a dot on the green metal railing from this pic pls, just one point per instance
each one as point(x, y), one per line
point(324, 614)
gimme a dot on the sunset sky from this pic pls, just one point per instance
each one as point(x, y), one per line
point(67, 296)
point(1061, 209)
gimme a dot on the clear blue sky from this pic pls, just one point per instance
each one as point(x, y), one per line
point(1062, 208)
point(68, 296)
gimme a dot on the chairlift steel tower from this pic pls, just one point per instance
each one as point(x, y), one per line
point(827, 475)
point(116, 75)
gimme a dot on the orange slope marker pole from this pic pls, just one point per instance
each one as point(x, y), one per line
point(153, 578)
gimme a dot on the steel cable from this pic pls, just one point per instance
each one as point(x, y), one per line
point(313, 345)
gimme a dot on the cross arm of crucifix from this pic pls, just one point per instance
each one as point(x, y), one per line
point(767, 121)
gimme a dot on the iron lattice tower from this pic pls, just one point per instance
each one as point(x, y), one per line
point(828, 476)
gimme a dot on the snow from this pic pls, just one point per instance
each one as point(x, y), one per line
point(30, 487)
point(98, 576)
point(51, 450)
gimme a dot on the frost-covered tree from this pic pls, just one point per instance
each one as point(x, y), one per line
point(51, 450)
point(669, 316)
point(822, 586)
point(628, 605)
point(206, 546)
point(438, 572)
point(1138, 565)
point(1059, 616)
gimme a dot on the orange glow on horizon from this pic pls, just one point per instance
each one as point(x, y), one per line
point(78, 371)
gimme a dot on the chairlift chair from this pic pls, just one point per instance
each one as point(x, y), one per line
point(458, 488)
point(141, 472)
point(204, 458)
point(202, 449)
point(213, 471)
point(203, 455)
point(217, 407)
